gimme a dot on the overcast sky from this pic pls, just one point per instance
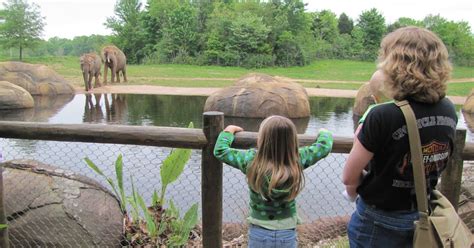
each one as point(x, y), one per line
point(69, 18)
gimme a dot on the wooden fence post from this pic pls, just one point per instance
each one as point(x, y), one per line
point(211, 182)
point(3, 231)
point(452, 175)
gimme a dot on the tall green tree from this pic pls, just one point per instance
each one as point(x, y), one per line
point(128, 29)
point(325, 26)
point(180, 34)
point(372, 26)
point(23, 25)
point(457, 37)
point(345, 24)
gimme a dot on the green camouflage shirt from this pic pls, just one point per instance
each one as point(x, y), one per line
point(275, 208)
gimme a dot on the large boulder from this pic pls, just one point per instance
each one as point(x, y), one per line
point(469, 120)
point(369, 93)
point(14, 97)
point(469, 104)
point(259, 96)
point(363, 100)
point(50, 207)
point(36, 79)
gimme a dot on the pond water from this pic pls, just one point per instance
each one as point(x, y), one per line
point(321, 196)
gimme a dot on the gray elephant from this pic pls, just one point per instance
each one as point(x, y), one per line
point(90, 66)
point(114, 59)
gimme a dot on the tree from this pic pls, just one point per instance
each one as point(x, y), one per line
point(23, 25)
point(456, 36)
point(345, 24)
point(180, 34)
point(128, 29)
point(403, 22)
point(325, 26)
point(372, 25)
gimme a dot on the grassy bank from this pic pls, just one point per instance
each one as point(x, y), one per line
point(354, 73)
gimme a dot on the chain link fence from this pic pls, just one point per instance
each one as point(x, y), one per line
point(59, 206)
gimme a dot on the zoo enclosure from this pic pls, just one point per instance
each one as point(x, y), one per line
point(204, 140)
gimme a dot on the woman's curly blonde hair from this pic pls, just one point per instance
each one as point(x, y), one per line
point(416, 64)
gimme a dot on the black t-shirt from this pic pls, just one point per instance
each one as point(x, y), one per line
point(389, 183)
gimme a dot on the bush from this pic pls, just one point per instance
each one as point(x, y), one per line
point(258, 61)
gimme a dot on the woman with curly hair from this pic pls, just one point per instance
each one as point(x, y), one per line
point(415, 64)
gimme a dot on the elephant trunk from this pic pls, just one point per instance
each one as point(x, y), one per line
point(107, 58)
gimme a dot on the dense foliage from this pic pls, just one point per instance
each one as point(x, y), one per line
point(250, 33)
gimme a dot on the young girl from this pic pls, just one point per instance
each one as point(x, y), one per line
point(275, 177)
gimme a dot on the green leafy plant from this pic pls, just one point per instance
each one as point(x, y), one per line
point(3, 226)
point(118, 185)
point(154, 225)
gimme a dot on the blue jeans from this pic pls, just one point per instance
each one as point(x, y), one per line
point(371, 227)
point(260, 237)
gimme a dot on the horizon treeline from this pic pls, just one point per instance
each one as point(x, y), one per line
point(250, 34)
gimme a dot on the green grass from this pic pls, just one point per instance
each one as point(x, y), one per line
point(345, 70)
point(355, 72)
point(462, 72)
point(460, 89)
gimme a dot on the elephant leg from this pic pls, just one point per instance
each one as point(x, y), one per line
point(90, 80)
point(124, 73)
point(118, 76)
point(84, 76)
point(106, 68)
point(97, 80)
point(113, 72)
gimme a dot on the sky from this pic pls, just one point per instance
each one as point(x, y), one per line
point(70, 18)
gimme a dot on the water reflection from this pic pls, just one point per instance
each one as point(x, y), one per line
point(178, 111)
point(114, 106)
point(44, 109)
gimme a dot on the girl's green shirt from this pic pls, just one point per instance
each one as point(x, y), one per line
point(272, 213)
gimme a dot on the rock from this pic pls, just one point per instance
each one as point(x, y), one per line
point(36, 79)
point(469, 104)
point(14, 97)
point(363, 100)
point(466, 197)
point(469, 120)
point(50, 207)
point(369, 93)
point(259, 96)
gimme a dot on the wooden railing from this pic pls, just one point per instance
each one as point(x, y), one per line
point(204, 139)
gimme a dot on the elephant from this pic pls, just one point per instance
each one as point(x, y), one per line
point(91, 64)
point(114, 59)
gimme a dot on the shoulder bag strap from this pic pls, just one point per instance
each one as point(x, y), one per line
point(416, 156)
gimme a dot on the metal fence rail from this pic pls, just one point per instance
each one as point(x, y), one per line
point(220, 190)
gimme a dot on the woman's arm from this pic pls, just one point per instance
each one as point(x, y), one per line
point(309, 155)
point(223, 152)
point(358, 159)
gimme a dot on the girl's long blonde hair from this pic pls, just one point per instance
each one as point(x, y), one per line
point(276, 163)
point(416, 63)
